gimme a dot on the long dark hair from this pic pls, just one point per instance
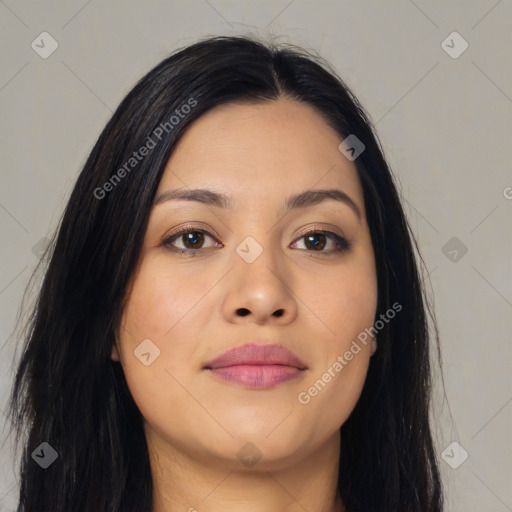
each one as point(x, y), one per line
point(67, 391)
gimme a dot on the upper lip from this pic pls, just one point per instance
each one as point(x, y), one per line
point(254, 354)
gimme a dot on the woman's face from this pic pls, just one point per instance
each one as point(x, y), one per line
point(259, 277)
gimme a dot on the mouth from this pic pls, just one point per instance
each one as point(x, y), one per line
point(257, 366)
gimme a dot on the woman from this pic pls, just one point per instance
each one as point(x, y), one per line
point(232, 317)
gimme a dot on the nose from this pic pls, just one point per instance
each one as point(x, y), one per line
point(260, 292)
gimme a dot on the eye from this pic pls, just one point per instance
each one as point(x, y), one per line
point(192, 239)
point(316, 241)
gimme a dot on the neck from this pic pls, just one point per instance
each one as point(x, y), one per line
point(181, 482)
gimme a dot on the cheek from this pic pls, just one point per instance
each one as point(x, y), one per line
point(152, 309)
point(165, 307)
point(160, 299)
point(349, 304)
point(336, 382)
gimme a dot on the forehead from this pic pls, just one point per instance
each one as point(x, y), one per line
point(261, 152)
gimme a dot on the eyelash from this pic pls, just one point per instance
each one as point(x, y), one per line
point(342, 244)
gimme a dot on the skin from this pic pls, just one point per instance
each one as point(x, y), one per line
point(189, 307)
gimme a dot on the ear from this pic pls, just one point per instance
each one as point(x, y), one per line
point(115, 353)
point(374, 347)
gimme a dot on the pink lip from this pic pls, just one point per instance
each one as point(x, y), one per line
point(257, 366)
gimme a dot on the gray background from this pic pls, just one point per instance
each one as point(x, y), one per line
point(445, 124)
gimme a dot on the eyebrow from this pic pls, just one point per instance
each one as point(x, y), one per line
point(301, 200)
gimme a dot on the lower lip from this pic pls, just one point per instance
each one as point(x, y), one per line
point(257, 376)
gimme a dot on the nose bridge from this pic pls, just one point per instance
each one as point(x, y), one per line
point(258, 286)
point(259, 262)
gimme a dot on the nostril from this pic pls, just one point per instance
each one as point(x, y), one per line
point(243, 311)
point(278, 312)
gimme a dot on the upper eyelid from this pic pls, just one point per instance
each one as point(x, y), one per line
point(188, 229)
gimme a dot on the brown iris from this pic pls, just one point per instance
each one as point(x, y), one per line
point(310, 243)
point(192, 239)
